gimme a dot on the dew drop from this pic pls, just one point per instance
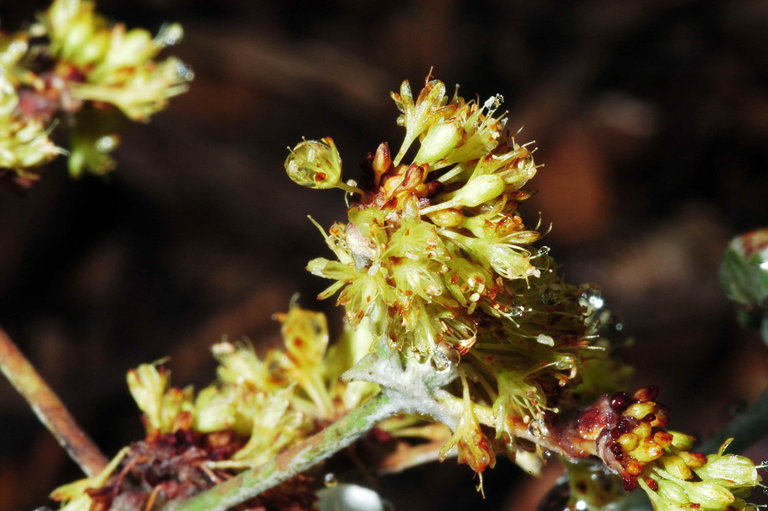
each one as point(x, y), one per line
point(170, 34)
point(444, 357)
point(106, 143)
point(185, 72)
point(330, 480)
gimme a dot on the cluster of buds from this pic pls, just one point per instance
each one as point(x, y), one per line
point(74, 64)
point(681, 479)
point(639, 436)
point(628, 434)
point(435, 257)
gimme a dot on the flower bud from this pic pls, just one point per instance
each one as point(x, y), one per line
point(647, 451)
point(95, 49)
point(628, 441)
point(693, 459)
point(314, 164)
point(640, 410)
point(682, 441)
point(441, 139)
point(672, 491)
point(447, 217)
point(710, 496)
point(676, 466)
point(479, 190)
point(133, 48)
point(731, 470)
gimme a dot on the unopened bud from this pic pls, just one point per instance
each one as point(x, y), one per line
point(710, 496)
point(479, 190)
point(672, 491)
point(447, 217)
point(682, 441)
point(676, 466)
point(731, 469)
point(441, 139)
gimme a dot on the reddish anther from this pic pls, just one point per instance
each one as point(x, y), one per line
point(620, 401)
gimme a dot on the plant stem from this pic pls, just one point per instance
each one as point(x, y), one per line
point(49, 408)
point(308, 453)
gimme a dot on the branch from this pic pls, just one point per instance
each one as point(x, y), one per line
point(299, 458)
point(746, 428)
point(49, 408)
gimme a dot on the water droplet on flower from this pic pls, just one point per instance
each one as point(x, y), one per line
point(170, 34)
point(517, 311)
point(545, 340)
point(106, 143)
point(185, 72)
point(592, 299)
point(330, 480)
point(445, 357)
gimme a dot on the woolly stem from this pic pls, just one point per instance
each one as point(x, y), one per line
point(295, 460)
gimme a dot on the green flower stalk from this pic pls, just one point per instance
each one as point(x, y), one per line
point(77, 66)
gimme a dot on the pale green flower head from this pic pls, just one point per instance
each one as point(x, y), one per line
point(314, 164)
point(118, 64)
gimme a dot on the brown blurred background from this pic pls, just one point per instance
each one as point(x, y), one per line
point(652, 123)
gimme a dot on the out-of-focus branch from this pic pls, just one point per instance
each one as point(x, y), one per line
point(49, 408)
point(746, 428)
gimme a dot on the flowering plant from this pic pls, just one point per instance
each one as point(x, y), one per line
point(461, 337)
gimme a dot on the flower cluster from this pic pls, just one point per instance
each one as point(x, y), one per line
point(74, 63)
point(24, 144)
point(256, 408)
point(435, 257)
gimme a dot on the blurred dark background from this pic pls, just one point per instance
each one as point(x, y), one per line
point(652, 123)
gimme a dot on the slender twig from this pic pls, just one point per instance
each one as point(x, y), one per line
point(49, 408)
point(297, 459)
point(408, 457)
